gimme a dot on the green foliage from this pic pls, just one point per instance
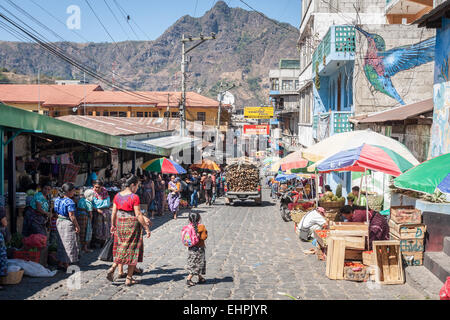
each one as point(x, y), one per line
point(3, 78)
point(4, 70)
point(339, 191)
point(244, 41)
point(16, 241)
point(254, 84)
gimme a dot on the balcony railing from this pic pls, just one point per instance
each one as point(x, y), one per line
point(330, 123)
point(338, 44)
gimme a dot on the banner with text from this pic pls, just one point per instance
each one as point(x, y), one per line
point(258, 112)
point(256, 129)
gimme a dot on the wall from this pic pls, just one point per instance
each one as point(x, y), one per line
point(412, 83)
point(28, 106)
point(440, 140)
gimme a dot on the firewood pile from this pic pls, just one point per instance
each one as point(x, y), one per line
point(242, 177)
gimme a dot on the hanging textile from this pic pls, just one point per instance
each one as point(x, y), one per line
point(71, 172)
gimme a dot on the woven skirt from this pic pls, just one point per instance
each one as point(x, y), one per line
point(82, 222)
point(128, 241)
point(196, 262)
point(68, 249)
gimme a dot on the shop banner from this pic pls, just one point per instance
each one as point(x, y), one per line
point(258, 112)
point(257, 129)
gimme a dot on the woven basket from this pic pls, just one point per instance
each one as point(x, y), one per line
point(12, 278)
point(331, 204)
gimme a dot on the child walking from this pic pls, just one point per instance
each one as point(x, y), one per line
point(196, 262)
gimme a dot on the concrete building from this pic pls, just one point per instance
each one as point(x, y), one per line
point(406, 11)
point(283, 96)
point(317, 17)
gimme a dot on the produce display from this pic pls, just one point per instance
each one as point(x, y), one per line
point(242, 178)
point(329, 197)
point(322, 233)
point(354, 265)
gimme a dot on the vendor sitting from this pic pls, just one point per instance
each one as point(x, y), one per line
point(378, 225)
point(313, 220)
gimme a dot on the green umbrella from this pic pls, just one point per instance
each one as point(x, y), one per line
point(427, 176)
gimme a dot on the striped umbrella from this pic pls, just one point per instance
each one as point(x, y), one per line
point(163, 165)
point(427, 176)
point(366, 157)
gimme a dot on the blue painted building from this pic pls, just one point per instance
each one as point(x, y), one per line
point(333, 65)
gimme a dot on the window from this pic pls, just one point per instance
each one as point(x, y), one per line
point(297, 85)
point(113, 114)
point(175, 115)
point(201, 116)
point(139, 114)
point(90, 113)
point(275, 84)
point(166, 114)
point(105, 113)
point(46, 113)
point(287, 85)
point(56, 113)
point(146, 114)
point(123, 114)
point(155, 114)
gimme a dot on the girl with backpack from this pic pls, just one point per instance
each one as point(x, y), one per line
point(194, 236)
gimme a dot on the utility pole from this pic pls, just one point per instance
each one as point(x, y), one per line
point(168, 108)
point(39, 91)
point(184, 52)
point(219, 112)
point(84, 85)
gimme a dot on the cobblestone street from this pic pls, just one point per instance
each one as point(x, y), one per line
point(251, 254)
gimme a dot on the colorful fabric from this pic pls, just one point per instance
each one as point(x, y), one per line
point(33, 223)
point(173, 200)
point(71, 172)
point(102, 194)
point(82, 222)
point(84, 206)
point(196, 261)
point(39, 197)
point(89, 231)
point(68, 249)
point(101, 203)
point(3, 257)
point(102, 224)
point(53, 223)
point(127, 202)
point(65, 205)
point(128, 241)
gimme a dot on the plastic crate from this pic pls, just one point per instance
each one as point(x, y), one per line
point(27, 255)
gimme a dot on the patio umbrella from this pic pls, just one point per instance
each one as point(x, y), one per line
point(285, 177)
point(366, 157)
point(269, 160)
point(206, 164)
point(354, 139)
point(294, 161)
point(163, 165)
point(427, 176)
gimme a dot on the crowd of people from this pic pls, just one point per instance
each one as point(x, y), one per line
point(77, 222)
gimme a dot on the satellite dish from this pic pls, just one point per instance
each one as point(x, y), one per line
point(227, 98)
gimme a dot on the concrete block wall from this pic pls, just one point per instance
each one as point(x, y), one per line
point(347, 6)
point(413, 85)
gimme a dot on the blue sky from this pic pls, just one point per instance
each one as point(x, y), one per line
point(149, 18)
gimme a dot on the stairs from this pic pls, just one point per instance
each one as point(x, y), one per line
point(439, 262)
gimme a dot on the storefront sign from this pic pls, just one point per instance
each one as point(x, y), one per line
point(258, 112)
point(257, 129)
point(137, 146)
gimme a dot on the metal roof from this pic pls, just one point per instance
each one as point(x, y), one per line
point(400, 113)
point(433, 19)
point(20, 119)
point(173, 144)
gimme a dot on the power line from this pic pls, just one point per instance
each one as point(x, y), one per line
point(117, 20)
point(267, 18)
point(126, 16)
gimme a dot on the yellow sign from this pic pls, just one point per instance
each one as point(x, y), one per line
point(258, 112)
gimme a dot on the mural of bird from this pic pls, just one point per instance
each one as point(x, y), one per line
point(380, 65)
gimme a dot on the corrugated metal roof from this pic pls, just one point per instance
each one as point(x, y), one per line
point(118, 126)
point(400, 113)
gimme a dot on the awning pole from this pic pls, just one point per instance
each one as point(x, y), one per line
point(317, 188)
point(12, 184)
point(367, 212)
point(2, 163)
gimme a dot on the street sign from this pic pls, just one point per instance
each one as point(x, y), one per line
point(258, 112)
point(274, 121)
point(257, 129)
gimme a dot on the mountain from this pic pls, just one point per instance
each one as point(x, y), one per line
point(247, 45)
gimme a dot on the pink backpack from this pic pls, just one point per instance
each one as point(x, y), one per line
point(188, 236)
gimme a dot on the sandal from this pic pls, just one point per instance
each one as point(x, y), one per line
point(138, 271)
point(190, 283)
point(122, 275)
point(130, 281)
point(202, 280)
point(110, 274)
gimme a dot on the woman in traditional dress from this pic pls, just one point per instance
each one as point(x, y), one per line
point(149, 194)
point(173, 198)
point(102, 204)
point(38, 213)
point(84, 218)
point(159, 195)
point(127, 224)
point(3, 255)
point(67, 226)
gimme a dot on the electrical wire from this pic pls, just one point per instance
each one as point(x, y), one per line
point(126, 16)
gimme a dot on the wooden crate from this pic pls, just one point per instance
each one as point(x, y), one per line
point(407, 231)
point(321, 241)
point(410, 245)
point(354, 255)
point(335, 258)
point(413, 258)
point(356, 274)
point(389, 262)
point(368, 258)
point(361, 226)
point(354, 233)
point(406, 214)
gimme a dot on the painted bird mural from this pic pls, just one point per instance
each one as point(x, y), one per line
point(380, 65)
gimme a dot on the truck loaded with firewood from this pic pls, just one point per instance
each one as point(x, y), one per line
point(242, 181)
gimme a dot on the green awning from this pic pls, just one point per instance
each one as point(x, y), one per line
point(25, 120)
